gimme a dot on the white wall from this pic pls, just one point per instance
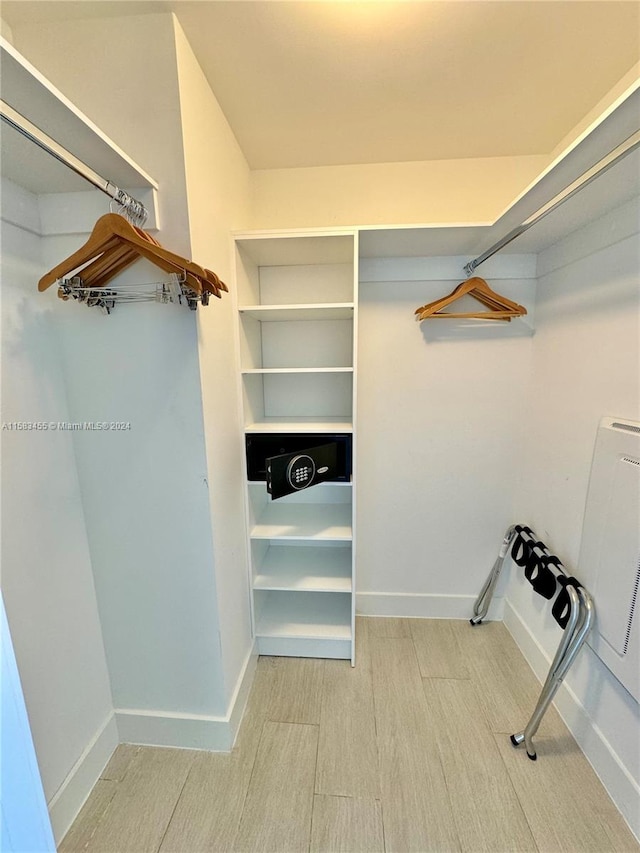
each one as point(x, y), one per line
point(5, 31)
point(144, 491)
point(439, 412)
point(442, 191)
point(24, 819)
point(47, 580)
point(585, 365)
point(219, 197)
point(473, 190)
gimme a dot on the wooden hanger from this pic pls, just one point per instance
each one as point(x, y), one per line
point(102, 270)
point(499, 307)
point(114, 244)
point(98, 273)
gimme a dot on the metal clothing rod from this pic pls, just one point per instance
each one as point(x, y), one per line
point(134, 209)
point(630, 144)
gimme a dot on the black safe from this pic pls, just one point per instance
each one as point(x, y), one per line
point(290, 462)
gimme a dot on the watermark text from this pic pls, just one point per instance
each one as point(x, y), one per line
point(66, 426)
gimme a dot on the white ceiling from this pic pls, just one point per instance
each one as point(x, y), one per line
point(315, 82)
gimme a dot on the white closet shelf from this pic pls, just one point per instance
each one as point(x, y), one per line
point(311, 311)
point(310, 615)
point(301, 424)
point(304, 568)
point(253, 370)
point(38, 100)
point(305, 522)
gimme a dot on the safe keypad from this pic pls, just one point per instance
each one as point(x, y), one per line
point(301, 475)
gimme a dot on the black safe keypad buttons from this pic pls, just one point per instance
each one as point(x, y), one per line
point(300, 471)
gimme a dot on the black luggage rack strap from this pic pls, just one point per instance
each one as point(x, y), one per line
point(573, 610)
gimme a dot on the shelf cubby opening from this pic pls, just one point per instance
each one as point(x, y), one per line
point(321, 513)
point(301, 566)
point(291, 396)
point(310, 615)
point(295, 343)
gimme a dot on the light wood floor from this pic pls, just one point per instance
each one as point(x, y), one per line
point(409, 751)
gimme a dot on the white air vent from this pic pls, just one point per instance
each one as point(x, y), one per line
point(609, 563)
point(632, 609)
point(629, 427)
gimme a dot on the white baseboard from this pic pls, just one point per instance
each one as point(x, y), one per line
point(189, 731)
point(408, 604)
point(238, 702)
point(152, 728)
point(164, 728)
point(71, 795)
point(622, 788)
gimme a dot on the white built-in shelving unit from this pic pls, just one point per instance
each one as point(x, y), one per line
point(296, 298)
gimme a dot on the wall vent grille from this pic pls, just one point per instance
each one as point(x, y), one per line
point(626, 427)
point(634, 598)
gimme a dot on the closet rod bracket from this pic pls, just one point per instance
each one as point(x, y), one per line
point(469, 268)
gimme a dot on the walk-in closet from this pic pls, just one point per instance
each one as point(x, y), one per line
point(320, 426)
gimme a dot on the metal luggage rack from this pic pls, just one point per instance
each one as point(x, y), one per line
point(573, 609)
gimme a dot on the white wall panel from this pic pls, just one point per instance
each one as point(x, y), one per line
point(47, 579)
point(440, 407)
point(218, 192)
point(144, 490)
point(585, 365)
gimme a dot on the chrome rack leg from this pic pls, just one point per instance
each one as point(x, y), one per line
point(574, 636)
point(483, 600)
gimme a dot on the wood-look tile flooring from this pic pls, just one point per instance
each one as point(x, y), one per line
point(409, 751)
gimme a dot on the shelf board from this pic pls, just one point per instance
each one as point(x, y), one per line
point(312, 311)
point(308, 615)
point(301, 424)
point(33, 96)
point(305, 522)
point(325, 484)
point(253, 370)
point(305, 568)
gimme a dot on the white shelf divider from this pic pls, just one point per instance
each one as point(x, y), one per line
point(253, 370)
point(313, 311)
point(301, 424)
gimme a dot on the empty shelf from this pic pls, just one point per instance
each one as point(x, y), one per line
point(304, 521)
point(310, 615)
point(305, 568)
